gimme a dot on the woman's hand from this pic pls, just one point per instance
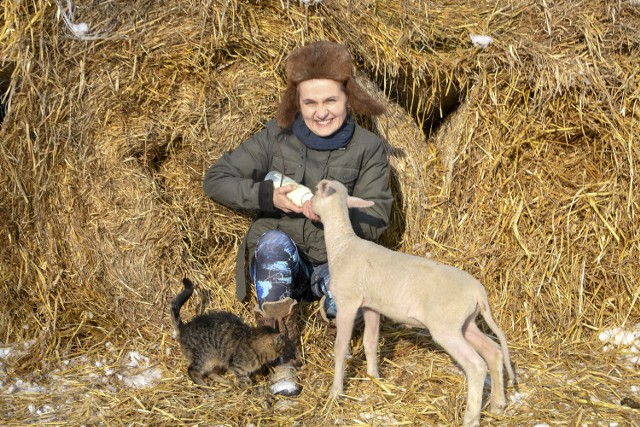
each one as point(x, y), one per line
point(307, 210)
point(282, 202)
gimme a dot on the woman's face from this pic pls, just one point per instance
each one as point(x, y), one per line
point(323, 105)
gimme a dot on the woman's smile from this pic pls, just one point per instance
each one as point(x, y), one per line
point(323, 105)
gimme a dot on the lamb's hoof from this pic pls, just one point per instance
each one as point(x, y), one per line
point(335, 393)
point(471, 421)
point(497, 407)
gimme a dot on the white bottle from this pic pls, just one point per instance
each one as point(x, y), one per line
point(298, 196)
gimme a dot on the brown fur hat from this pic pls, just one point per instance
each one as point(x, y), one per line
point(322, 60)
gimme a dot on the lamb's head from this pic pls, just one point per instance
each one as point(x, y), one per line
point(333, 195)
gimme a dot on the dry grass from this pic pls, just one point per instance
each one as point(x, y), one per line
point(517, 162)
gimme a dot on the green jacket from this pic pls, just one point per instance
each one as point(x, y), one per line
point(237, 181)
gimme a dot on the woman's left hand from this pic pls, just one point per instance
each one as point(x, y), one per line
point(307, 210)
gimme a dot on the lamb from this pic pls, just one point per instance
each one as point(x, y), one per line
point(412, 290)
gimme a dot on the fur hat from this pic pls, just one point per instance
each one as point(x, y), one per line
point(322, 60)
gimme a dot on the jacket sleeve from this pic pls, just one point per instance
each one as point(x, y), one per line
point(236, 179)
point(373, 184)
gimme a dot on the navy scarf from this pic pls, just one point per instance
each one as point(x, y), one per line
point(338, 139)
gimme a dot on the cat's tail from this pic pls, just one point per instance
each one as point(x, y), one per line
point(178, 302)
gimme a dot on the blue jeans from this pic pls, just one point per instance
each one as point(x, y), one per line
point(279, 272)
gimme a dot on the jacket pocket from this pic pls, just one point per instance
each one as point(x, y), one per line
point(345, 175)
point(290, 166)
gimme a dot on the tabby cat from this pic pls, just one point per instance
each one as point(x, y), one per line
point(219, 341)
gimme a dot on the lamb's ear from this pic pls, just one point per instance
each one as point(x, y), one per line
point(357, 202)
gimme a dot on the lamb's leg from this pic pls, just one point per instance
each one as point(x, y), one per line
point(472, 364)
point(345, 317)
point(370, 338)
point(492, 354)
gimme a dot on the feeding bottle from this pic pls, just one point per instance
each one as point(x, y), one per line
point(298, 196)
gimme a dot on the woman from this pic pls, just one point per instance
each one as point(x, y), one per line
point(312, 138)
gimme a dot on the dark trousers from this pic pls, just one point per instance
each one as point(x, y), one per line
point(278, 272)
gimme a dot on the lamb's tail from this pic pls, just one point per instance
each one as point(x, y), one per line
point(178, 302)
point(488, 318)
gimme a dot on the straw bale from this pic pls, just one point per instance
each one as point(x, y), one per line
point(124, 132)
point(534, 108)
point(517, 162)
point(413, 49)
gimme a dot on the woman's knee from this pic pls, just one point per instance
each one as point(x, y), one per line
point(320, 286)
point(274, 266)
point(274, 239)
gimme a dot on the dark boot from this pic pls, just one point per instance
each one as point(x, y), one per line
point(283, 315)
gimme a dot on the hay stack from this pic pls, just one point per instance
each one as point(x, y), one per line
point(517, 162)
point(539, 144)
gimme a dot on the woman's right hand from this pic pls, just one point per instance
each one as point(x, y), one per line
point(307, 210)
point(282, 202)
